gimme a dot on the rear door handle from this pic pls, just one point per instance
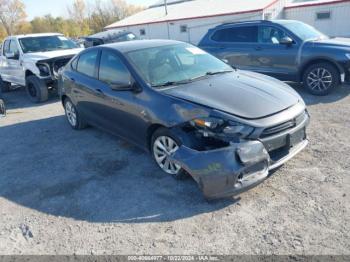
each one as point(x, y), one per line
point(258, 48)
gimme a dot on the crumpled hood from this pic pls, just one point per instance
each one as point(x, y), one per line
point(51, 54)
point(245, 94)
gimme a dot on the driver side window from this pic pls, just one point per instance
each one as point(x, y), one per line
point(112, 70)
point(14, 47)
point(270, 35)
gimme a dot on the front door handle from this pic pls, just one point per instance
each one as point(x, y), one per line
point(98, 90)
point(258, 48)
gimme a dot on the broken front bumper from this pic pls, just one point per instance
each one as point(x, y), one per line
point(231, 170)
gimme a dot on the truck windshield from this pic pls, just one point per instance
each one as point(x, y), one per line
point(303, 31)
point(45, 43)
point(175, 64)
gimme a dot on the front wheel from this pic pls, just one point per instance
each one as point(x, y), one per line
point(73, 117)
point(36, 89)
point(164, 145)
point(320, 79)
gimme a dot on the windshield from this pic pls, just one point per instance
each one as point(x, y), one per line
point(175, 64)
point(304, 31)
point(46, 43)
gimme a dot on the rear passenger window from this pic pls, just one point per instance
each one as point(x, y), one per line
point(244, 34)
point(112, 69)
point(87, 62)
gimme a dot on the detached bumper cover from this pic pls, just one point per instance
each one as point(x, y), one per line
point(229, 171)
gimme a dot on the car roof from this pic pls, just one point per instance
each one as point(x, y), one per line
point(134, 45)
point(34, 35)
point(254, 22)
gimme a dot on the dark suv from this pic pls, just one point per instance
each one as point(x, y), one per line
point(286, 49)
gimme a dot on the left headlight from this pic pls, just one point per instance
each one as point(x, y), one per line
point(217, 125)
point(44, 69)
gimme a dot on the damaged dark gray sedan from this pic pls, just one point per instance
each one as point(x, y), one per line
point(227, 128)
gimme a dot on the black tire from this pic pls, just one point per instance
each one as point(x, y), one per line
point(36, 89)
point(181, 174)
point(79, 123)
point(328, 75)
point(4, 86)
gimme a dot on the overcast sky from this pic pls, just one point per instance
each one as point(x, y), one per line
point(59, 7)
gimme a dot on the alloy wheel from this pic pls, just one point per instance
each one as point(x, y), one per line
point(319, 79)
point(163, 148)
point(71, 113)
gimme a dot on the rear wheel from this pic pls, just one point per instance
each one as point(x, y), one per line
point(4, 86)
point(36, 89)
point(73, 117)
point(320, 79)
point(164, 145)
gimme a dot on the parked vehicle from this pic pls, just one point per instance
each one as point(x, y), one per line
point(107, 37)
point(2, 106)
point(33, 61)
point(286, 49)
point(226, 128)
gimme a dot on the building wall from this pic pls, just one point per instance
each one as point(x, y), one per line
point(196, 28)
point(337, 25)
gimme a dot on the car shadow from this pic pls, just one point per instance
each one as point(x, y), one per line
point(17, 98)
point(339, 93)
point(91, 176)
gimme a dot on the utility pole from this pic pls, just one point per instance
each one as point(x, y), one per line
point(166, 7)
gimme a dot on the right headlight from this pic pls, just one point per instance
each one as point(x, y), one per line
point(347, 55)
point(220, 126)
point(44, 69)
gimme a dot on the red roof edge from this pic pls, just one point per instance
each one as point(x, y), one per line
point(318, 4)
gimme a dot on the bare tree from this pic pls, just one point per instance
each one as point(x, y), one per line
point(12, 14)
point(77, 11)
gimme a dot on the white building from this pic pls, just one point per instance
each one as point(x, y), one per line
point(189, 20)
point(331, 17)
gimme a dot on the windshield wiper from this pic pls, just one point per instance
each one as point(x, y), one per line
point(211, 73)
point(172, 83)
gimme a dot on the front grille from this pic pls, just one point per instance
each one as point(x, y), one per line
point(284, 126)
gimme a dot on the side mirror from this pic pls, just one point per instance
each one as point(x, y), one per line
point(2, 108)
point(14, 56)
point(286, 41)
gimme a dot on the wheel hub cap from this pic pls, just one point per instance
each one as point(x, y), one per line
point(163, 149)
point(71, 114)
point(319, 79)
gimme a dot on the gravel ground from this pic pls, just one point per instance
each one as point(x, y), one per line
point(86, 192)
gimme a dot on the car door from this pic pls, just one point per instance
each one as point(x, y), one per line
point(14, 63)
point(82, 82)
point(236, 45)
point(4, 66)
point(272, 57)
point(120, 106)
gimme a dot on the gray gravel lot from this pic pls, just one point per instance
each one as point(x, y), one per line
point(86, 192)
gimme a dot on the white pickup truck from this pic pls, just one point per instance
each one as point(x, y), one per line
point(33, 61)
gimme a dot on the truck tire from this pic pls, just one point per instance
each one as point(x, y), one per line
point(36, 89)
point(321, 78)
point(4, 86)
